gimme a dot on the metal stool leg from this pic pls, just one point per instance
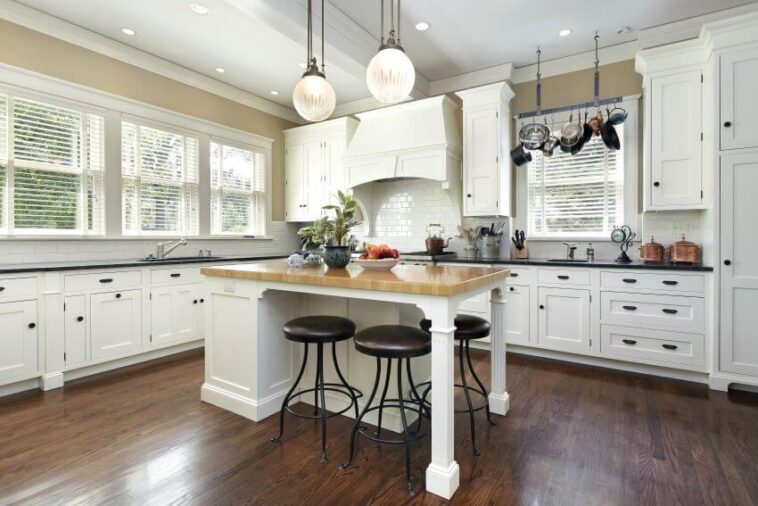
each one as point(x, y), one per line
point(384, 396)
point(479, 382)
point(411, 488)
point(342, 378)
point(289, 395)
point(416, 396)
point(472, 421)
point(357, 423)
point(320, 382)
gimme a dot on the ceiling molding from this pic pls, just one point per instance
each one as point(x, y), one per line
point(471, 79)
point(68, 32)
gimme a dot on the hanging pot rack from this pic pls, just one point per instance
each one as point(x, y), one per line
point(571, 107)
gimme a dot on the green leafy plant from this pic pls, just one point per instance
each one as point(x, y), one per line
point(339, 226)
point(315, 235)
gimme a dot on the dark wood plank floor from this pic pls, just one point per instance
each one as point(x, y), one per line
point(574, 435)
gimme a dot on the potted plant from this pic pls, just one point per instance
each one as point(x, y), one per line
point(336, 231)
point(314, 236)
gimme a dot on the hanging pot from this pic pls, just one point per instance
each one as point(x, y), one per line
point(617, 116)
point(534, 135)
point(610, 137)
point(520, 156)
point(571, 133)
point(549, 147)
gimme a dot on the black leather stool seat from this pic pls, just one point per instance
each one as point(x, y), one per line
point(466, 327)
point(319, 329)
point(393, 341)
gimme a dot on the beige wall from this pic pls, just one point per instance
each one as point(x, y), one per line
point(25, 48)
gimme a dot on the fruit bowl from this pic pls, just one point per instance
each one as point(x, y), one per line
point(383, 264)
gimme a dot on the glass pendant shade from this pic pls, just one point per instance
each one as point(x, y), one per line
point(314, 98)
point(390, 76)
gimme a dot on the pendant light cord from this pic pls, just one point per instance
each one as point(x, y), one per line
point(539, 82)
point(381, 21)
point(323, 38)
point(398, 22)
point(597, 72)
point(310, 33)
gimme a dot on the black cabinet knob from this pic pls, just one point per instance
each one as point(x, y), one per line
point(727, 124)
point(32, 325)
point(514, 274)
point(542, 306)
point(202, 301)
point(727, 262)
point(656, 183)
point(80, 318)
point(194, 301)
point(468, 195)
point(512, 289)
point(631, 342)
point(118, 295)
point(2, 288)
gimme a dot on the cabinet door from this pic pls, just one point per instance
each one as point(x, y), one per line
point(334, 169)
point(564, 316)
point(675, 138)
point(174, 314)
point(739, 101)
point(314, 179)
point(18, 341)
point(739, 279)
point(481, 144)
point(294, 195)
point(116, 320)
point(75, 330)
point(517, 315)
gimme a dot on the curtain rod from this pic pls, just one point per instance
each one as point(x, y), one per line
point(572, 107)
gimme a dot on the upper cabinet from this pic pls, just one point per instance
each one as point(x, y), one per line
point(314, 167)
point(486, 145)
point(739, 100)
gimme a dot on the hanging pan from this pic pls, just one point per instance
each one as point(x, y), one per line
point(534, 135)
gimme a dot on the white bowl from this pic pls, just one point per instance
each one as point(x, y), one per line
point(384, 264)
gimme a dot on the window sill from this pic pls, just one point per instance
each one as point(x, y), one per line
point(129, 238)
point(569, 239)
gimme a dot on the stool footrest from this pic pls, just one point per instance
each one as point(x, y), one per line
point(328, 387)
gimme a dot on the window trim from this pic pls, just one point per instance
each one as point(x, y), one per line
point(631, 146)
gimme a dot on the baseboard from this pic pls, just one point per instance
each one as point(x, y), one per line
point(242, 406)
point(20, 386)
point(722, 381)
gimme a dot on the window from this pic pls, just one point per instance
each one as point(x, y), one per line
point(51, 168)
point(238, 200)
point(580, 196)
point(159, 170)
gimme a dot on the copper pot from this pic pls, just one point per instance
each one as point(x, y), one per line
point(684, 252)
point(652, 252)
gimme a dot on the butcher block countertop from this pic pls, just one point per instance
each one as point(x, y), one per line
point(438, 280)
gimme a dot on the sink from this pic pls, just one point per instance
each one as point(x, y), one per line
point(569, 260)
point(179, 259)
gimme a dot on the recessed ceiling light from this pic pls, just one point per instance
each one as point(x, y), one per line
point(199, 9)
point(623, 30)
point(422, 26)
point(565, 32)
point(302, 65)
point(274, 92)
point(220, 70)
point(128, 31)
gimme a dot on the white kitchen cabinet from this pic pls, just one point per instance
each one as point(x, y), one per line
point(486, 148)
point(116, 323)
point(314, 167)
point(738, 99)
point(174, 314)
point(564, 319)
point(517, 311)
point(18, 341)
point(75, 330)
point(739, 270)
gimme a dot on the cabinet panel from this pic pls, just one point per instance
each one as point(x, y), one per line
point(563, 277)
point(481, 151)
point(314, 179)
point(18, 289)
point(675, 140)
point(75, 329)
point(176, 275)
point(517, 315)
point(18, 340)
point(294, 166)
point(564, 316)
point(334, 169)
point(116, 322)
point(739, 102)
point(660, 311)
point(102, 280)
point(174, 314)
point(616, 280)
point(653, 346)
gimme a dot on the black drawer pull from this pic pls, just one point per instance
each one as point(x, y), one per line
point(630, 308)
point(175, 274)
point(2, 288)
point(106, 280)
point(514, 274)
point(629, 280)
point(80, 318)
point(563, 276)
point(194, 301)
point(670, 311)
point(32, 325)
point(670, 346)
point(669, 282)
point(202, 301)
point(118, 295)
point(631, 342)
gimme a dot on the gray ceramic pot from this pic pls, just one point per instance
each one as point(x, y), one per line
point(336, 257)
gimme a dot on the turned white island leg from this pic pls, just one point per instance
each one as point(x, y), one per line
point(442, 475)
point(499, 402)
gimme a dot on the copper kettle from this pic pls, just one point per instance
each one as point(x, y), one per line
point(652, 252)
point(434, 241)
point(684, 252)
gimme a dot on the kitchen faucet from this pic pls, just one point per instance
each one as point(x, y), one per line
point(162, 249)
point(570, 249)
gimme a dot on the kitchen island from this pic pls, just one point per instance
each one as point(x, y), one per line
point(249, 366)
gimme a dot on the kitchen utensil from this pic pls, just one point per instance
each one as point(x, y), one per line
point(684, 252)
point(519, 241)
point(434, 242)
point(652, 252)
point(534, 135)
point(520, 156)
point(624, 236)
point(588, 132)
point(570, 133)
point(596, 123)
point(490, 246)
point(610, 136)
point(576, 148)
point(617, 116)
point(552, 142)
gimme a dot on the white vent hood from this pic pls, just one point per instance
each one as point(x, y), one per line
point(420, 139)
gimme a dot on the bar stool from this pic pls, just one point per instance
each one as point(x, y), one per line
point(467, 327)
point(392, 342)
point(319, 330)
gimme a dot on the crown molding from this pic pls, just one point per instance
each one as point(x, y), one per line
point(473, 79)
point(68, 32)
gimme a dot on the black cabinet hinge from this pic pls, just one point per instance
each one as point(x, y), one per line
point(701, 78)
point(701, 136)
point(64, 306)
point(151, 338)
point(64, 356)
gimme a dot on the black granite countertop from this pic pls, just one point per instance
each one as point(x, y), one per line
point(116, 264)
point(604, 264)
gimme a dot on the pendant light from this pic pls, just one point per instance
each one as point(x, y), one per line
point(390, 74)
point(313, 96)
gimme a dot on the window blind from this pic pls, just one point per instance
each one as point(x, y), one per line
point(51, 168)
point(576, 196)
point(238, 200)
point(159, 171)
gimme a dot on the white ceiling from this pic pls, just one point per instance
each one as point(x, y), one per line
point(261, 42)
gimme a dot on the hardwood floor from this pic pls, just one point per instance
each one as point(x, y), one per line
point(574, 435)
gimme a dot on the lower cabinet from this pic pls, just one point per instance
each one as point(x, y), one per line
point(175, 312)
point(564, 318)
point(116, 323)
point(18, 340)
point(517, 315)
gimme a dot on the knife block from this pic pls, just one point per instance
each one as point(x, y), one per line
point(521, 254)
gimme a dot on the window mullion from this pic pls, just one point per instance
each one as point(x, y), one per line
point(11, 170)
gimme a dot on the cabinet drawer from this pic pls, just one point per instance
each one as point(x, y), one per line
point(564, 277)
point(652, 281)
point(18, 289)
point(650, 345)
point(519, 276)
point(175, 276)
point(660, 311)
point(102, 281)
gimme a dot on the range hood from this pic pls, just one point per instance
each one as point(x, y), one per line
point(420, 139)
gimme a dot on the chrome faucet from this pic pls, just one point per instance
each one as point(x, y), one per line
point(162, 249)
point(570, 249)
